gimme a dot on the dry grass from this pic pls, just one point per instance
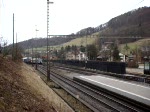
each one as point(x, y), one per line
point(16, 93)
point(134, 45)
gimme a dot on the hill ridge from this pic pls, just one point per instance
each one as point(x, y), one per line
point(132, 23)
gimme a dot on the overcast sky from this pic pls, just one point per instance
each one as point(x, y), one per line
point(66, 16)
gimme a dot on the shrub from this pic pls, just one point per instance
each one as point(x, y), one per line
point(133, 64)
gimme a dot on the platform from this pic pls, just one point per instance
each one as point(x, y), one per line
point(139, 93)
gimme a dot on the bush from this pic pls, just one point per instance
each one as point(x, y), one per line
point(133, 64)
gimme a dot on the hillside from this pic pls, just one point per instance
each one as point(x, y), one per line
point(40, 42)
point(18, 91)
point(135, 23)
point(132, 23)
point(134, 46)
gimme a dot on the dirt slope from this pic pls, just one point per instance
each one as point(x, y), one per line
point(18, 90)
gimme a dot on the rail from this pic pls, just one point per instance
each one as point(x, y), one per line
point(133, 77)
point(96, 100)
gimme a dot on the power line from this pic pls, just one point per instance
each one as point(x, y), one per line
point(140, 1)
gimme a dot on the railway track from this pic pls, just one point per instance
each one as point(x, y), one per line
point(132, 77)
point(94, 99)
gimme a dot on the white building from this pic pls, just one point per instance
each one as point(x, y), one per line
point(122, 57)
point(78, 56)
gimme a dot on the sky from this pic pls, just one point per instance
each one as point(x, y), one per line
point(65, 16)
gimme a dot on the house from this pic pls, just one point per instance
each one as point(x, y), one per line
point(145, 53)
point(70, 56)
point(122, 57)
point(104, 55)
point(79, 56)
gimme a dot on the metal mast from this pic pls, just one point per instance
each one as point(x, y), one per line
point(13, 39)
point(48, 68)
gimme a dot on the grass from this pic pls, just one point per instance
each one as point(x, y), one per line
point(81, 41)
point(134, 45)
point(90, 40)
point(78, 42)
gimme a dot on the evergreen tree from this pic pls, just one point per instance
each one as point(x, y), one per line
point(126, 47)
point(74, 49)
point(61, 53)
point(116, 56)
point(68, 48)
point(92, 52)
point(82, 48)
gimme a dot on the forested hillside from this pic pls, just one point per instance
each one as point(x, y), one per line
point(40, 42)
point(134, 23)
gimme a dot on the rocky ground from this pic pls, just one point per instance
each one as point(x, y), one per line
point(20, 89)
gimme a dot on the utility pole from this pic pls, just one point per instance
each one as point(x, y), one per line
point(16, 47)
point(13, 39)
point(36, 50)
point(48, 67)
point(32, 52)
point(86, 51)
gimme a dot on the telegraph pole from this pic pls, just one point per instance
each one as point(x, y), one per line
point(36, 50)
point(16, 48)
point(86, 52)
point(32, 52)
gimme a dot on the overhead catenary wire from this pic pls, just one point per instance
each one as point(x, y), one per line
point(140, 1)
